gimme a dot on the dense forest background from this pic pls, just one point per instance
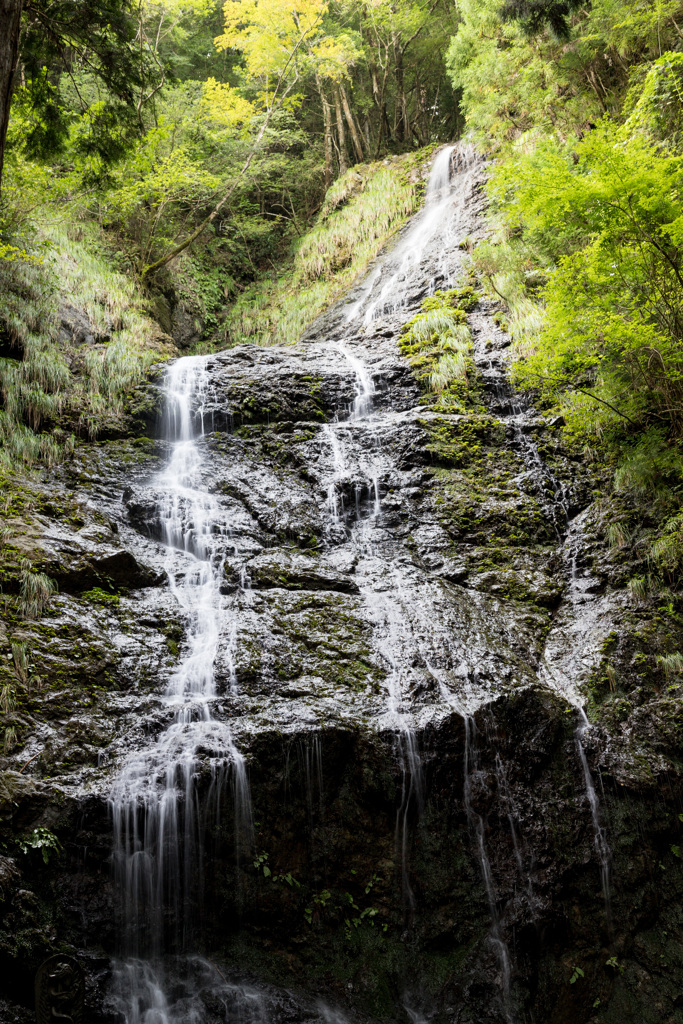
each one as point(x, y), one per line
point(188, 175)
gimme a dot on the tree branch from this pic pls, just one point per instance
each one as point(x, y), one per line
point(584, 391)
point(176, 251)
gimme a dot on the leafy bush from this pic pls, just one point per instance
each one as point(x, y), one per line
point(614, 304)
point(41, 839)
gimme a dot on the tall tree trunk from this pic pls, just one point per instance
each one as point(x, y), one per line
point(327, 119)
point(423, 117)
point(10, 20)
point(379, 96)
point(341, 133)
point(355, 134)
point(401, 119)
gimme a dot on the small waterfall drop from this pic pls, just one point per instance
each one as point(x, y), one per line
point(159, 818)
point(562, 667)
point(388, 287)
point(478, 829)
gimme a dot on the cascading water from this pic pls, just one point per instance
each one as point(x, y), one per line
point(478, 829)
point(389, 287)
point(159, 817)
point(168, 796)
point(585, 615)
point(600, 838)
point(387, 290)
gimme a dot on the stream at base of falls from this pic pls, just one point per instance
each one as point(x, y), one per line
point(428, 651)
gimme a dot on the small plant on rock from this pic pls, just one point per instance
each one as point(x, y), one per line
point(41, 839)
point(36, 589)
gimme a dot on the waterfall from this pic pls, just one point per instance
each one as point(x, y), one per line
point(599, 836)
point(158, 813)
point(440, 225)
point(169, 796)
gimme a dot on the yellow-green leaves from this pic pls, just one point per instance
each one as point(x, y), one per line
point(269, 32)
point(282, 45)
point(224, 107)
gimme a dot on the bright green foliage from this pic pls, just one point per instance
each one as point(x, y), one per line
point(656, 101)
point(41, 839)
point(512, 84)
point(614, 305)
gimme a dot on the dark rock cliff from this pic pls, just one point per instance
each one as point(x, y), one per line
point(412, 631)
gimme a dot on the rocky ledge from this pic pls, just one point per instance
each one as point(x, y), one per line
point(410, 629)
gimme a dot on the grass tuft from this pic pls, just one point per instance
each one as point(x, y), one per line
point(53, 376)
point(35, 592)
point(672, 664)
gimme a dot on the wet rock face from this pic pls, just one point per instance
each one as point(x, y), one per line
point(76, 328)
point(410, 601)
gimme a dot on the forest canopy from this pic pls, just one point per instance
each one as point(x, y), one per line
point(143, 116)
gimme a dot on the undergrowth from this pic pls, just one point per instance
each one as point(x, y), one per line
point(58, 380)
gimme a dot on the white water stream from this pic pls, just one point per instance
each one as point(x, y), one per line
point(439, 227)
point(158, 818)
point(160, 813)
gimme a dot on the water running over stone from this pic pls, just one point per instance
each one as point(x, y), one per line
point(329, 558)
point(422, 261)
point(159, 818)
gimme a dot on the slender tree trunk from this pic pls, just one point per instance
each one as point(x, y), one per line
point(379, 96)
point(401, 119)
point(10, 25)
point(423, 117)
point(341, 133)
point(387, 127)
point(355, 134)
point(376, 101)
point(327, 119)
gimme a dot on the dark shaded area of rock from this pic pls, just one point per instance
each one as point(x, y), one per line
point(76, 328)
point(118, 571)
point(296, 572)
point(494, 596)
point(186, 327)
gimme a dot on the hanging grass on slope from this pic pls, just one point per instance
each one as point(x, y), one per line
point(362, 210)
point(54, 381)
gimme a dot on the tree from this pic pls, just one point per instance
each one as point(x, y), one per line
point(50, 41)
point(536, 15)
point(276, 43)
point(290, 46)
point(10, 16)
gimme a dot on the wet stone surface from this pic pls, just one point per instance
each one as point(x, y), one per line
point(407, 609)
